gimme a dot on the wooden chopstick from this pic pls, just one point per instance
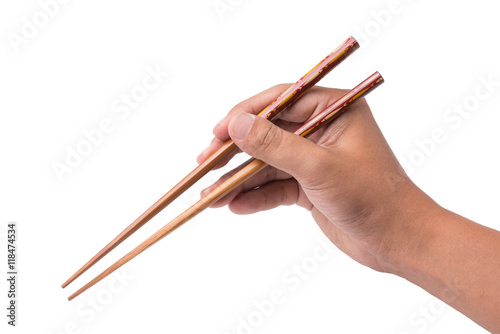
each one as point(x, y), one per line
point(252, 168)
point(270, 112)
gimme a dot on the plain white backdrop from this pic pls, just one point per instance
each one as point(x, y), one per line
point(66, 72)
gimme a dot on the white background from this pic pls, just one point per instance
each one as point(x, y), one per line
point(207, 276)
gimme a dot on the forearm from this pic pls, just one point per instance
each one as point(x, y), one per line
point(458, 261)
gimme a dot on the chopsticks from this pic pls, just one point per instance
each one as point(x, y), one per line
point(286, 99)
point(249, 169)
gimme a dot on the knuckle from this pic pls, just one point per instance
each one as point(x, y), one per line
point(268, 139)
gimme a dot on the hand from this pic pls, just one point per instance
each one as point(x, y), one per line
point(346, 175)
point(359, 195)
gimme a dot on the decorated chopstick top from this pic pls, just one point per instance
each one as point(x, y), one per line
point(310, 78)
point(338, 107)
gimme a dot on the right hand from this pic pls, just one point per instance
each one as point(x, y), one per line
point(346, 175)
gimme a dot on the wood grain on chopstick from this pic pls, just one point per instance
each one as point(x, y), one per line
point(252, 168)
point(281, 103)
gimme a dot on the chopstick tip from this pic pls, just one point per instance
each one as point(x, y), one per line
point(73, 296)
point(68, 282)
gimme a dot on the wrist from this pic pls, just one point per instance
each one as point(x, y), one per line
point(414, 234)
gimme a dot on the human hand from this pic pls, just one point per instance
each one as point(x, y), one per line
point(346, 175)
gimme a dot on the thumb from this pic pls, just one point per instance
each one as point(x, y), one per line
point(281, 149)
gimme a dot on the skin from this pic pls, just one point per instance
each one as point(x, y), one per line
point(349, 179)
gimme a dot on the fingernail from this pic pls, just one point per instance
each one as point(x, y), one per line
point(242, 125)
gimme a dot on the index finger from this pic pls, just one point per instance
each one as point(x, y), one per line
point(252, 105)
point(312, 102)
